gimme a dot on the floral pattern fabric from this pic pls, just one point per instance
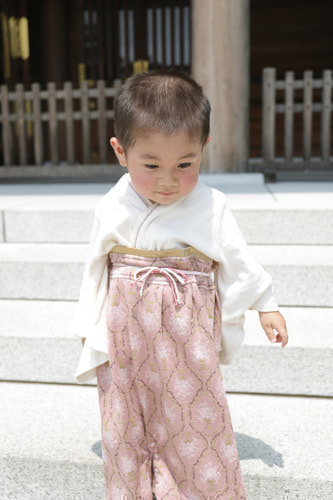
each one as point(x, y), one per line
point(166, 426)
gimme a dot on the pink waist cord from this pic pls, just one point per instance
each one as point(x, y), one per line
point(173, 276)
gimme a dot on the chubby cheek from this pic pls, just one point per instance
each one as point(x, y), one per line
point(189, 182)
point(142, 182)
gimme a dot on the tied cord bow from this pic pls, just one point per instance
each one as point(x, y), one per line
point(173, 275)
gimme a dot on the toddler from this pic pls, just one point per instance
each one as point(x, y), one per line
point(165, 288)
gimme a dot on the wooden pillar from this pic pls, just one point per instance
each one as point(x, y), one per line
point(220, 63)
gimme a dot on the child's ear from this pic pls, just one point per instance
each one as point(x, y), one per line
point(119, 151)
point(207, 142)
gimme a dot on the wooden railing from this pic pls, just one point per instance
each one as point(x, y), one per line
point(305, 133)
point(71, 126)
point(56, 126)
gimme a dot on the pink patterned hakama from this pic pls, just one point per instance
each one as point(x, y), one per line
point(166, 426)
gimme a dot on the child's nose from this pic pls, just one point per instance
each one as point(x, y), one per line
point(168, 178)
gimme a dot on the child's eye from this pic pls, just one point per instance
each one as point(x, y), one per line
point(184, 165)
point(151, 167)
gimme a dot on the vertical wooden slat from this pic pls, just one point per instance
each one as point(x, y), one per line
point(53, 123)
point(116, 27)
point(69, 119)
point(21, 126)
point(126, 38)
point(326, 115)
point(307, 116)
point(91, 40)
point(268, 131)
point(163, 34)
point(172, 32)
point(154, 34)
point(289, 116)
point(24, 41)
point(85, 123)
point(102, 136)
point(109, 28)
point(100, 31)
point(117, 84)
point(181, 34)
point(158, 20)
point(190, 35)
point(6, 52)
point(6, 127)
point(37, 124)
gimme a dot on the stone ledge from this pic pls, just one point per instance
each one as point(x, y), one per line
point(285, 444)
point(39, 222)
point(255, 369)
point(60, 173)
point(301, 274)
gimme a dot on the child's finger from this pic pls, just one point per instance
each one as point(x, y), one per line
point(275, 327)
point(271, 334)
point(283, 336)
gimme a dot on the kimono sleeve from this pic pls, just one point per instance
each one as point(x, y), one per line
point(89, 321)
point(241, 281)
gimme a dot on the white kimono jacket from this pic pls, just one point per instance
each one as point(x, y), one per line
point(201, 220)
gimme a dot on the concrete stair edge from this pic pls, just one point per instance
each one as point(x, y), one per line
point(63, 443)
point(255, 369)
point(28, 479)
point(37, 332)
point(301, 275)
point(259, 226)
point(50, 319)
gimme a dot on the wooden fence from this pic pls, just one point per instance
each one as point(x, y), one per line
point(72, 126)
point(64, 126)
point(303, 137)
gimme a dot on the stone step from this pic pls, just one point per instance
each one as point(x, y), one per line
point(302, 275)
point(302, 367)
point(286, 227)
point(53, 450)
point(50, 446)
point(70, 221)
point(308, 327)
point(281, 213)
point(36, 347)
point(43, 222)
point(41, 271)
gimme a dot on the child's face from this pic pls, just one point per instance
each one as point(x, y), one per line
point(163, 167)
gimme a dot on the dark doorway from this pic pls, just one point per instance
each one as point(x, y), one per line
point(289, 36)
point(92, 39)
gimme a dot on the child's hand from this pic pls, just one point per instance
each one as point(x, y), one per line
point(274, 326)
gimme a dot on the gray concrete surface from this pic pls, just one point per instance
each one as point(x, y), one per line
point(35, 318)
point(46, 222)
point(282, 213)
point(302, 275)
point(41, 271)
point(255, 369)
point(2, 228)
point(37, 332)
point(285, 226)
point(308, 327)
point(272, 370)
point(55, 225)
point(50, 446)
point(50, 439)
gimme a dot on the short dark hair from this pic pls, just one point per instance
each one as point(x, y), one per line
point(163, 101)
